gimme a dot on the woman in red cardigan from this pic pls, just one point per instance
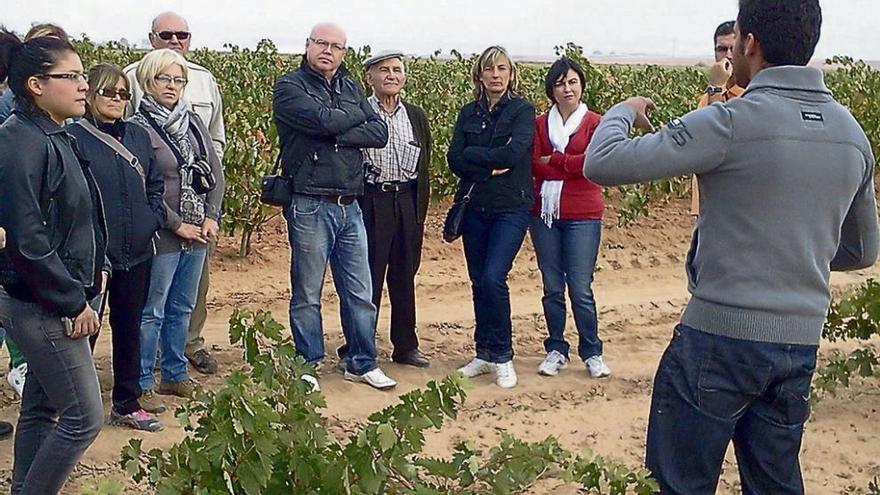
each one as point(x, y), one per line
point(566, 222)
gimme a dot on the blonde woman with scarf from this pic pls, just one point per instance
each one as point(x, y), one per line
point(566, 221)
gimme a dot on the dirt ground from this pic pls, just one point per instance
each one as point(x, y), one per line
point(640, 291)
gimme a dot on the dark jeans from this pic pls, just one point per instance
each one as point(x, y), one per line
point(491, 242)
point(320, 232)
point(567, 256)
point(394, 241)
point(127, 296)
point(61, 410)
point(710, 390)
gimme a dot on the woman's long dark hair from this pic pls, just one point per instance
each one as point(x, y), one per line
point(19, 61)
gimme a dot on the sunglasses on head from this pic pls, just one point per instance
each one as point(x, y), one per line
point(123, 94)
point(167, 35)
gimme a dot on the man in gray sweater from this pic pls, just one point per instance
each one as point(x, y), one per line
point(787, 196)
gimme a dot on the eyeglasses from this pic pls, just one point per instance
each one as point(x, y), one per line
point(166, 79)
point(723, 49)
point(324, 44)
point(167, 35)
point(111, 93)
point(70, 76)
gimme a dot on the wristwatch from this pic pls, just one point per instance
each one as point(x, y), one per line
point(714, 90)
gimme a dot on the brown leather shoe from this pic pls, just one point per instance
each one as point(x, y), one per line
point(412, 358)
point(202, 361)
point(150, 403)
point(183, 389)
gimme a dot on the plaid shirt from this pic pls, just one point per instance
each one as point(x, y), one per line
point(398, 161)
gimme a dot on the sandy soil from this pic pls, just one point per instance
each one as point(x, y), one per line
point(640, 290)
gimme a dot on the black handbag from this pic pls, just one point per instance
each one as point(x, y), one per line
point(455, 217)
point(276, 189)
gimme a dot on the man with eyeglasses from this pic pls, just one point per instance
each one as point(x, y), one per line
point(324, 122)
point(171, 31)
point(722, 86)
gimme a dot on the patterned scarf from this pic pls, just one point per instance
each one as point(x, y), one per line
point(175, 123)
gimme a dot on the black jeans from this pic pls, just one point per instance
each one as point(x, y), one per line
point(127, 295)
point(710, 390)
point(394, 242)
point(61, 410)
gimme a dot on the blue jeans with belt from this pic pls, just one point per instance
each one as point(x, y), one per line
point(61, 409)
point(491, 241)
point(320, 232)
point(566, 255)
point(710, 390)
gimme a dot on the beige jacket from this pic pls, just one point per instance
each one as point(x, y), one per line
point(202, 95)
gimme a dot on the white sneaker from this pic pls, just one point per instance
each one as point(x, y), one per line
point(551, 365)
point(16, 377)
point(311, 380)
point(375, 378)
point(505, 375)
point(597, 367)
point(476, 367)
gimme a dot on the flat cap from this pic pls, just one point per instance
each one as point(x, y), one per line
point(383, 55)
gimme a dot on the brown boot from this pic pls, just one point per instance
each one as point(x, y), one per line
point(150, 403)
point(183, 389)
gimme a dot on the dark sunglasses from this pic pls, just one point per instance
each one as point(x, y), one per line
point(123, 94)
point(167, 35)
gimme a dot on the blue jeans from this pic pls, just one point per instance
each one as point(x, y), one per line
point(61, 410)
point(567, 256)
point(174, 284)
point(491, 242)
point(710, 390)
point(320, 232)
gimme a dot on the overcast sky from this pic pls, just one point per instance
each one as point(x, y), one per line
point(528, 28)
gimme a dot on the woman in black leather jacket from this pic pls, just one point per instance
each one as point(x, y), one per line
point(491, 152)
point(55, 253)
point(121, 157)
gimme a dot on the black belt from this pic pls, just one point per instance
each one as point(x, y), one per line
point(337, 200)
point(393, 186)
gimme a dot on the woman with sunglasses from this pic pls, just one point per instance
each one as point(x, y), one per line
point(53, 262)
point(180, 142)
point(121, 157)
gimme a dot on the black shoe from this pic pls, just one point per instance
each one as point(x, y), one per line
point(5, 429)
point(203, 362)
point(412, 358)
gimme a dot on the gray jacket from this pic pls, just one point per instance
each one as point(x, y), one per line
point(786, 195)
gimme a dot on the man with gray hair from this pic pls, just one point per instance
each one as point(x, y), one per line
point(169, 30)
point(395, 201)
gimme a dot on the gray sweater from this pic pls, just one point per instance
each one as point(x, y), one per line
point(786, 195)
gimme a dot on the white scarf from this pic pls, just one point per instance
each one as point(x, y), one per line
point(560, 132)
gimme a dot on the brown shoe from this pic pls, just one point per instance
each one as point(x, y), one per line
point(203, 362)
point(183, 389)
point(150, 403)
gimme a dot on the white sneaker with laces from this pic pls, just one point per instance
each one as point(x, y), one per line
point(16, 377)
point(476, 367)
point(375, 378)
point(551, 365)
point(596, 367)
point(505, 375)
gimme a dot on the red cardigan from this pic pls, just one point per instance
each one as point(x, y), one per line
point(581, 198)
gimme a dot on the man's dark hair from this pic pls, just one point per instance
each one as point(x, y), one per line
point(788, 30)
point(723, 29)
point(558, 70)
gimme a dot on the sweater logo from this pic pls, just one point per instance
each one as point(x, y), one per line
point(679, 132)
point(810, 116)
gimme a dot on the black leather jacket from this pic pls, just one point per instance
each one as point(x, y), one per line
point(322, 127)
point(484, 141)
point(51, 209)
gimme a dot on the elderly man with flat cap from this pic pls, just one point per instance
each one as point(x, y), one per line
point(395, 201)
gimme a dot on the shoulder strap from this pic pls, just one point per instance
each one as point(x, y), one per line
point(198, 134)
point(115, 146)
point(164, 136)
